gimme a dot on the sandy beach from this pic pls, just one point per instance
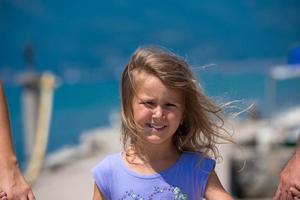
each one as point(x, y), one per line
point(73, 179)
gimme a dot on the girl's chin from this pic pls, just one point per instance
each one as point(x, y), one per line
point(155, 139)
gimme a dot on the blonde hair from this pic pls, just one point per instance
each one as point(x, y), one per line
point(203, 122)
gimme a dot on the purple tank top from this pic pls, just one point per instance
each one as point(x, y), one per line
point(186, 179)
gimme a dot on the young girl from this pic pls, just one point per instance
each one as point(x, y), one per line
point(169, 127)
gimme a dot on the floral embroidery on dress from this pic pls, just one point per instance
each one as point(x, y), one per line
point(157, 192)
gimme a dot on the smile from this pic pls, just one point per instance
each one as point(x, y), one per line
point(156, 127)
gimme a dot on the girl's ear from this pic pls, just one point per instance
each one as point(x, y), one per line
point(182, 119)
point(182, 129)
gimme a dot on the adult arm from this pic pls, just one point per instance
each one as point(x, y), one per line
point(289, 184)
point(214, 189)
point(12, 181)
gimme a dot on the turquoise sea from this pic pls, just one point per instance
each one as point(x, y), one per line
point(231, 46)
point(86, 105)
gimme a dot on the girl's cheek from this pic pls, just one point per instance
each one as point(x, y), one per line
point(173, 116)
point(147, 113)
point(143, 113)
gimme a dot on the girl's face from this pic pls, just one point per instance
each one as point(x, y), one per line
point(157, 109)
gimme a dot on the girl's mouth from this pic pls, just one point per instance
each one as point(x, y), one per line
point(156, 127)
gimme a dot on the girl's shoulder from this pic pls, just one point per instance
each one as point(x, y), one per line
point(104, 170)
point(105, 164)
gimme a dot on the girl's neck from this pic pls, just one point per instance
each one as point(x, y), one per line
point(154, 153)
point(151, 160)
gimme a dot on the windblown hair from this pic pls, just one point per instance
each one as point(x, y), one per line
point(202, 126)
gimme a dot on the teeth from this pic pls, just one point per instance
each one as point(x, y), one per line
point(156, 126)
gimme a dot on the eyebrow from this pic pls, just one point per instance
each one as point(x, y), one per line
point(175, 102)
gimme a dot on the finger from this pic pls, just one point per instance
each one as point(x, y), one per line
point(297, 186)
point(3, 194)
point(284, 195)
point(31, 196)
point(295, 192)
point(289, 196)
point(296, 198)
point(277, 193)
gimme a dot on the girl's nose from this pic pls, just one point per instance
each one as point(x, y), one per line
point(157, 112)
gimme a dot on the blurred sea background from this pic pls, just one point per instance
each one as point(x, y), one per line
point(230, 45)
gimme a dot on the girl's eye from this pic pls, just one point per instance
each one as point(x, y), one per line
point(148, 103)
point(170, 105)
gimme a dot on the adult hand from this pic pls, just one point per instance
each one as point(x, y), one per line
point(12, 181)
point(289, 185)
point(14, 184)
